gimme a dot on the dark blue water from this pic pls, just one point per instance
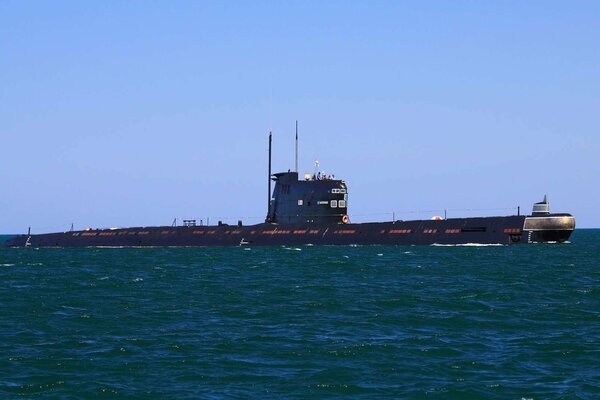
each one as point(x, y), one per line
point(311, 322)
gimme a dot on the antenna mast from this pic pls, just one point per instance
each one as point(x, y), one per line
point(269, 178)
point(296, 146)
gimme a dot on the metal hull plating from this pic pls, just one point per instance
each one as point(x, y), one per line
point(456, 231)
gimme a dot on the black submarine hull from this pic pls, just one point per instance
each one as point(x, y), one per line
point(504, 230)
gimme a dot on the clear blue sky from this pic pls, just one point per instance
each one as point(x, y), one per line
point(118, 113)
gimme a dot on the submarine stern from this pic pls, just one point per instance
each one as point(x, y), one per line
point(542, 226)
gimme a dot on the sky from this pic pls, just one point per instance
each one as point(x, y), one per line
point(116, 114)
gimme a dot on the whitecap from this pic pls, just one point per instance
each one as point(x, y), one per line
point(293, 248)
point(74, 308)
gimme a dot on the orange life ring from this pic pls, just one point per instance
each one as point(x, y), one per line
point(345, 219)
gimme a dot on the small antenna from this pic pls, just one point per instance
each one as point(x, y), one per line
point(296, 146)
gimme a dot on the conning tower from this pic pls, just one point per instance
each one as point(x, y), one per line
point(319, 198)
point(312, 200)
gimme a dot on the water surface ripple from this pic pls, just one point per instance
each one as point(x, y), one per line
point(311, 322)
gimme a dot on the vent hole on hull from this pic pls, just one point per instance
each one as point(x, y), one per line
point(475, 229)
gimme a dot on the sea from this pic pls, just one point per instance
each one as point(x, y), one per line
point(365, 322)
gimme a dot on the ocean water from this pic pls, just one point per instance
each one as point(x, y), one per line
point(372, 322)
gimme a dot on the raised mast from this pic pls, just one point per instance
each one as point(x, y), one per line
point(296, 165)
point(269, 180)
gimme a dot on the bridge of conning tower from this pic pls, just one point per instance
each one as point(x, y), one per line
point(312, 200)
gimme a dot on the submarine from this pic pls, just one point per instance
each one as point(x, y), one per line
point(314, 211)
